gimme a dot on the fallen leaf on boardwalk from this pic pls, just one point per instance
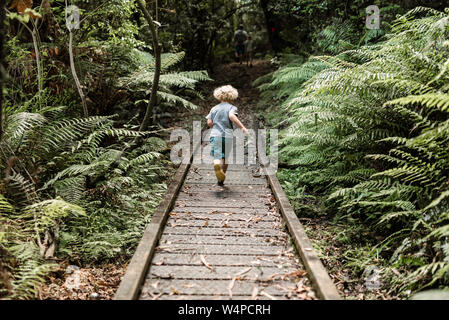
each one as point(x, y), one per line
point(206, 223)
point(244, 272)
point(166, 249)
point(267, 295)
point(255, 293)
point(297, 274)
point(203, 260)
point(302, 296)
point(230, 287)
point(174, 291)
point(155, 297)
point(273, 276)
point(160, 263)
point(172, 214)
point(170, 276)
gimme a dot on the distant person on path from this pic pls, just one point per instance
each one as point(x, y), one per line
point(240, 37)
point(249, 51)
point(221, 119)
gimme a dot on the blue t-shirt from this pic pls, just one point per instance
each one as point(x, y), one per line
point(223, 126)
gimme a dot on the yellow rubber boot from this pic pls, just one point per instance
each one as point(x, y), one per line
point(221, 177)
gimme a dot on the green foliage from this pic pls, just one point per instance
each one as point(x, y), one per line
point(368, 128)
point(171, 84)
point(119, 191)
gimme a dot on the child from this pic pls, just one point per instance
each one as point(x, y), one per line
point(249, 51)
point(220, 120)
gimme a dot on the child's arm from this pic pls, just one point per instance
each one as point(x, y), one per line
point(236, 120)
point(210, 123)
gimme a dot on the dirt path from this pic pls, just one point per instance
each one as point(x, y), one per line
point(240, 77)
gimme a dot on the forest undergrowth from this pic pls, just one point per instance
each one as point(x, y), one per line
point(364, 153)
point(81, 184)
point(363, 116)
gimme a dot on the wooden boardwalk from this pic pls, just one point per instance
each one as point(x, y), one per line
point(241, 241)
point(225, 242)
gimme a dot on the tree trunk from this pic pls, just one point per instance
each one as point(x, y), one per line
point(157, 72)
point(272, 26)
point(2, 67)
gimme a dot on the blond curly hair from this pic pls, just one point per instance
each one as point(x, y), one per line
point(226, 93)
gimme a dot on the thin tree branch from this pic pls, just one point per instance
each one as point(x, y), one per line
point(2, 67)
point(72, 67)
point(157, 54)
point(34, 35)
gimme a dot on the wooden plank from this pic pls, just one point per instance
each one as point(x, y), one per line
point(162, 258)
point(215, 188)
point(320, 278)
point(251, 196)
point(219, 273)
point(223, 240)
point(213, 211)
point(203, 297)
point(177, 216)
point(205, 287)
point(137, 268)
point(225, 231)
point(232, 168)
point(223, 224)
point(221, 204)
point(228, 182)
point(222, 249)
